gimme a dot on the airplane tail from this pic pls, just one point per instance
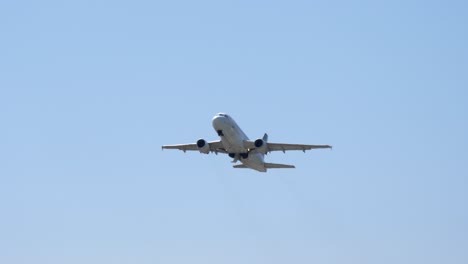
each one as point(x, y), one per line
point(265, 137)
point(268, 166)
point(240, 166)
point(278, 166)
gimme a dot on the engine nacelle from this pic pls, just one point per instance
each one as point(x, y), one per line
point(260, 146)
point(203, 146)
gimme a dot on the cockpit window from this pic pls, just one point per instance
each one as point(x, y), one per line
point(223, 115)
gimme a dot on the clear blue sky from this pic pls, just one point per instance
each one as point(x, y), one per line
point(90, 90)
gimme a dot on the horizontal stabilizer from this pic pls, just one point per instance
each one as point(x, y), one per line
point(278, 166)
point(268, 166)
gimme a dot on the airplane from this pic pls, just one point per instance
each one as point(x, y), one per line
point(238, 146)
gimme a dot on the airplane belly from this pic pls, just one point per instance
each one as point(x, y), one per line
point(255, 161)
point(233, 141)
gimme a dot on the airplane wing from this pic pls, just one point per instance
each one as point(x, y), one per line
point(214, 146)
point(284, 147)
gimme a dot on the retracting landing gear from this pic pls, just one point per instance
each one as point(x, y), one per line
point(234, 156)
point(238, 156)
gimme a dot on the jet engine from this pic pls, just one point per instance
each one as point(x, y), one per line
point(260, 146)
point(203, 146)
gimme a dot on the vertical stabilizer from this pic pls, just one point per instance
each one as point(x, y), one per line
point(265, 137)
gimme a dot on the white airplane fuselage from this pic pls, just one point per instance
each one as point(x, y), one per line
point(232, 138)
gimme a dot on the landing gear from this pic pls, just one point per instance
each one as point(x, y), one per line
point(220, 133)
point(237, 156)
point(234, 156)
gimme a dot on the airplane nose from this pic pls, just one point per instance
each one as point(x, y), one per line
point(219, 121)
